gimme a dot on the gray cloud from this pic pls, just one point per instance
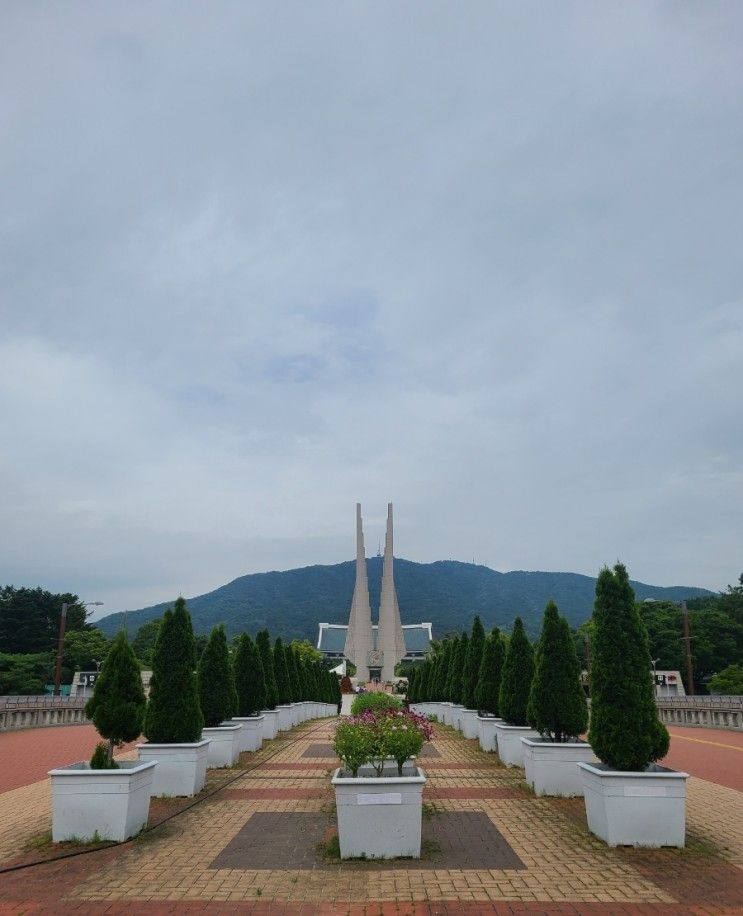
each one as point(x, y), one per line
point(258, 262)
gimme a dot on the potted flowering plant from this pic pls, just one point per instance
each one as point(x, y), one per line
point(378, 792)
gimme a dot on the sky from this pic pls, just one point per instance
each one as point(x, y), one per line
point(261, 261)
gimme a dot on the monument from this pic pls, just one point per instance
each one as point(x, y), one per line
point(359, 638)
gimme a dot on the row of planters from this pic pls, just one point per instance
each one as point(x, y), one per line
point(532, 709)
point(379, 786)
point(196, 717)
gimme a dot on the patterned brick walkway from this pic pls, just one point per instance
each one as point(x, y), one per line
point(261, 844)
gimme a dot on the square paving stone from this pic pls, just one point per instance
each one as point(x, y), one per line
point(319, 750)
point(275, 840)
point(429, 750)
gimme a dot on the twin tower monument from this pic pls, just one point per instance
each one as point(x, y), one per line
point(374, 659)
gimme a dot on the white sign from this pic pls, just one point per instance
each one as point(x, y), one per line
point(645, 791)
point(383, 798)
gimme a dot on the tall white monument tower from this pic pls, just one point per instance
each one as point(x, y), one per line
point(359, 639)
point(390, 641)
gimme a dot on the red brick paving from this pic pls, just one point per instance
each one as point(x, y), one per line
point(252, 794)
point(714, 754)
point(26, 755)
point(471, 792)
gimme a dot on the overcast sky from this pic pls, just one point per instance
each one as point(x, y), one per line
point(259, 261)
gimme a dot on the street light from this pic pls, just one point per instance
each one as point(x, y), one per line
point(60, 642)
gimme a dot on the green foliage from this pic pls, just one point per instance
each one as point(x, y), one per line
point(306, 650)
point(117, 706)
point(456, 666)
point(374, 702)
point(472, 663)
point(263, 642)
point(174, 712)
point(557, 703)
point(625, 731)
point(100, 759)
point(26, 674)
point(518, 670)
point(728, 682)
point(292, 669)
point(84, 650)
point(491, 669)
point(217, 692)
point(29, 619)
point(282, 675)
point(353, 743)
point(145, 639)
point(249, 678)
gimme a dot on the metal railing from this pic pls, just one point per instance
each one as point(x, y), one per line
point(45, 701)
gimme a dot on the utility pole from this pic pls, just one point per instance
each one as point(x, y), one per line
point(60, 649)
point(687, 646)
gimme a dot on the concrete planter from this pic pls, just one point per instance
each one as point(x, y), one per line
point(112, 803)
point(443, 712)
point(468, 722)
point(551, 768)
point(380, 817)
point(486, 732)
point(508, 742)
point(635, 809)
point(251, 734)
point(224, 745)
point(454, 718)
point(285, 717)
point(270, 724)
point(181, 768)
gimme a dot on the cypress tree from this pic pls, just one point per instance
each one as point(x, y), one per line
point(423, 695)
point(518, 670)
point(173, 712)
point(491, 668)
point(457, 667)
point(250, 680)
point(557, 704)
point(472, 663)
point(304, 687)
point(291, 667)
point(217, 680)
point(625, 731)
point(451, 651)
point(281, 672)
point(412, 686)
point(263, 641)
point(117, 706)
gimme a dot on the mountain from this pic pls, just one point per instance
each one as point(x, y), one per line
point(446, 593)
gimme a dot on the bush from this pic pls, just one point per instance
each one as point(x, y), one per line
point(472, 663)
point(353, 744)
point(249, 678)
point(728, 682)
point(625, 731)
point(557, 703)
point(491, 669)
point(118, 703)
point(100, 759)
point(292, 666)
point(374, 702)
point(374, 737)
point(173, 712)
point(263, 641)
point(25, 674)
point(456, 676)
point(217, 680)
point(518, 670)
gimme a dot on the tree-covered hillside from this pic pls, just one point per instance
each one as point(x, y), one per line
point(446, 593)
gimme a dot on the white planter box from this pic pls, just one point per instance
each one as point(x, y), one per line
point(454, 718)
point(270, 724)
point(112, 803)
point(486, 732)
point(468, 722)
point(443, 712)
point(300, 713)
point(224, 745)
point(380, 817)
point(635, 809)
point(251, 734)
point(508, 742)
point(181, 768)
point(551, 768)
point(285, 717)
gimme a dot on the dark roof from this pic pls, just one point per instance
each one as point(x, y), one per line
point(333, 639)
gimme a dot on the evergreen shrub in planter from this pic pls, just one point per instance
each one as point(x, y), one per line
point(286, 715)
point(629, 799)
point(112, 802)
point(218, 698)
point(251, 693)
point(470, 674)
point(271, 716)
point(488, 688)
point(173, 720)
point(513, 700)
point(558, 711)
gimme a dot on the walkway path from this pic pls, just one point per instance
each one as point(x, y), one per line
point(263, 844)
point(715, 754)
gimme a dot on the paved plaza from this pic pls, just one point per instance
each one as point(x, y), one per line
point(261, 840)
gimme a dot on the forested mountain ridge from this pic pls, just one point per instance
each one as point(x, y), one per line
point(447, 593)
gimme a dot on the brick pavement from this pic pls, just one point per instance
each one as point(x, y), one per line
point(714, 754)
point(523, 854)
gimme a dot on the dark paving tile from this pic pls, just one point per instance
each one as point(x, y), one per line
point(278, 840)
point(319, 750)
point(466, 839)
point(429, 751)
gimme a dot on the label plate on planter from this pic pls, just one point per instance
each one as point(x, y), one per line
point(383, 798)
point(645, 791)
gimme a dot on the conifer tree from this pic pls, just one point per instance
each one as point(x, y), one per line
point(249, 678)
point(263, 641)
point(281, 672)
point(518, 670)
point(117, 706)
point(291, 667)
point(451, 651)
point(491, 668)
point(457, 666)
point(625, 731)
point(472, 663)
point(557, 703)
point(173, 711)
point(304, 686)
point(412, 686)
point(217, 692)
point(423, 694)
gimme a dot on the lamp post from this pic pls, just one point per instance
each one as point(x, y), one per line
point(655, 676)
point(60, 641)
point(687, 645)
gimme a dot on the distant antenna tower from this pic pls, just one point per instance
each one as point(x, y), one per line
point(379, 548)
